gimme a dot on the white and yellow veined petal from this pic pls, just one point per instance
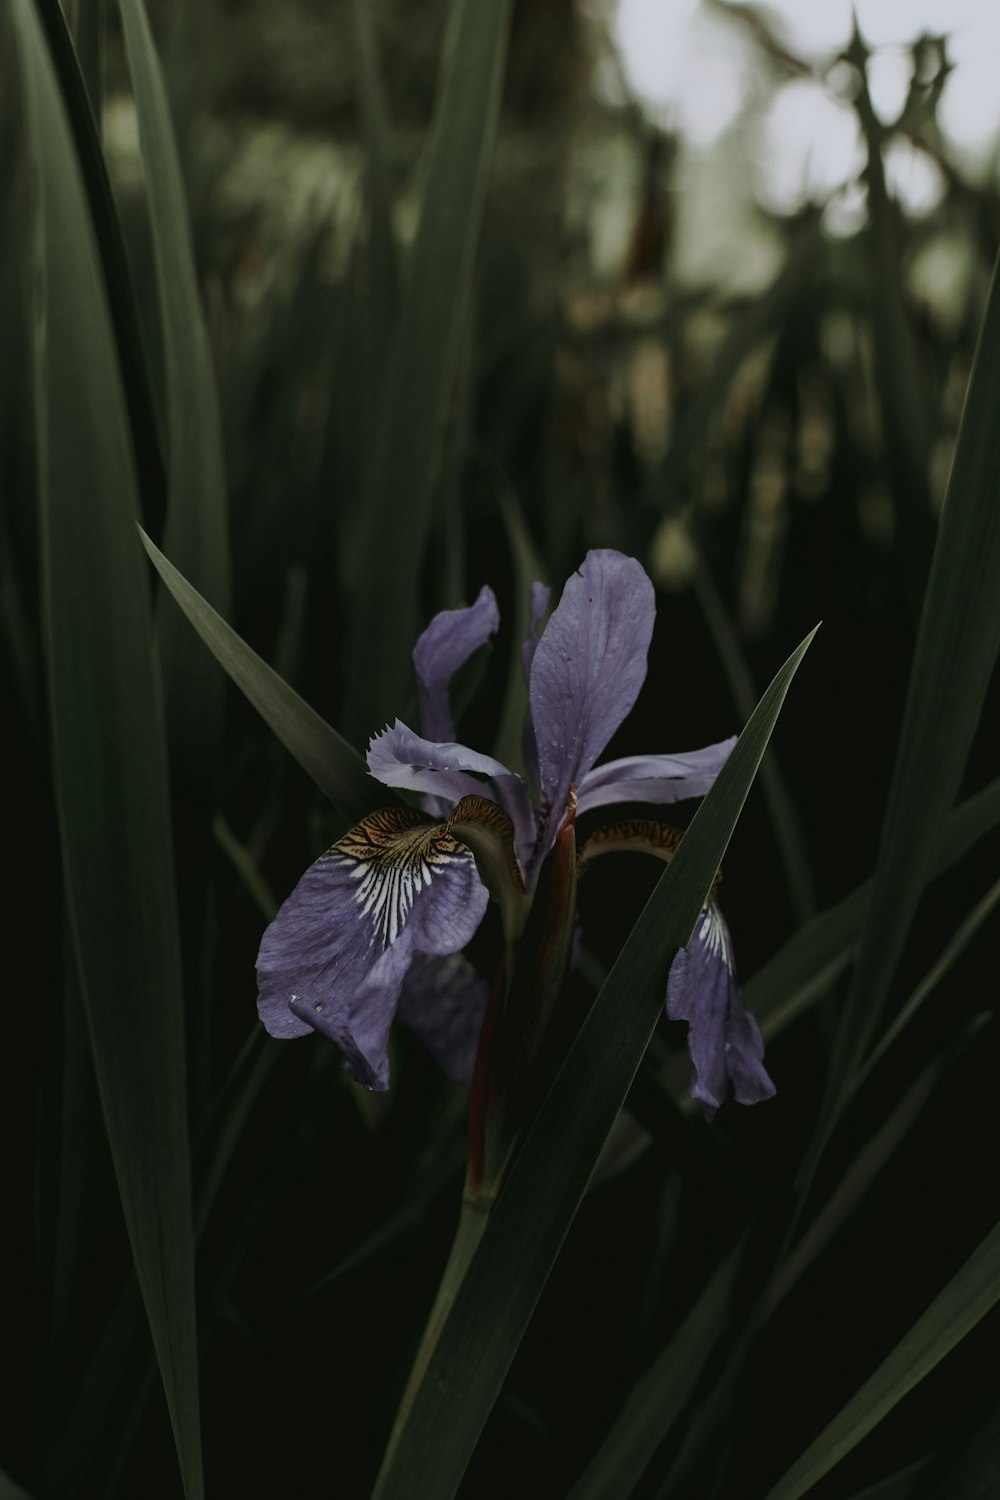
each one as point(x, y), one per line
point(396, 887)
point(335, 957)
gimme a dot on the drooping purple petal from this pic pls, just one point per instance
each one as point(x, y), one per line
point(359, 1025)
point(444, 1001)
point(447, 643)
point(724, 1042)
point(587, 671)
point(335, 956)
point(399, 758)
point(540, 596)
point(653, 778)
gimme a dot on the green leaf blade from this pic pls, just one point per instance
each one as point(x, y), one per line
point(108, 746)
point(829, 937)
point(956, 650)
point(197, 529)
point(334, 765)
point(967, 1298)
point(423, 363)
point(430, 1451)
point(659, 1396)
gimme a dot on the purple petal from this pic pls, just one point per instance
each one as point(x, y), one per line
point(587, 672)
point(653, 778)
point(397, 757)
point(444, 1001)
point(724, 1042)
point(446, 644)
point(335, 956)
point(359, 1025)
point(540, 596)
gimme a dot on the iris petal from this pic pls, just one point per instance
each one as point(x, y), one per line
point(443, 1001)
point(358, 1025)
point(335, 956)
point(586, 673)
point(400, 758)
point(653, 778)
point(724, 1042)
point(447, 643)
point(541, 594)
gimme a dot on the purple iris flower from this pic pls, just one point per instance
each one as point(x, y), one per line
point(376, 926)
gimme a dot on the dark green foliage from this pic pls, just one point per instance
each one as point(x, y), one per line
point(312, 345)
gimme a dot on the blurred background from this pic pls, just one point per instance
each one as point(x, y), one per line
point(726, 299)
point(732, 269)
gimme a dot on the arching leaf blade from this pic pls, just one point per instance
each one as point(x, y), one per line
point(76, 74)
point(396, 497)
point(658, 1398)
point(831, 934)
point(108, 746)
point(491, 1310)
point(197, 527)
point(334, 765)
point(967, 1298)
point(955, 654)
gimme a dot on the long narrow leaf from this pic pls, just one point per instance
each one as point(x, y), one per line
point(9, 1490)
point(396, 498)
point(323, 754)
point(660, 1396)
point(908, 416)
point(830, 936)
point(379, 257)
point(955, 653)
point(966, 1299)
point(80, 106)
point(375, 118)
point(81, 1141)
point(869, 1162)
point(784, 820)
point(899, 1486)
point(537, 1204)
point(109, 755)
point(955, 947)
point(197, 530)
point(86, 17)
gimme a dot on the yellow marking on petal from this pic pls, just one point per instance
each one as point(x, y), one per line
point(473, 814)
point(635, 836)
point(485, 828)
point(393, 854)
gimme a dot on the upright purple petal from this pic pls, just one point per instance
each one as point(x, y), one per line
point(335, 956)
point(444, 1001)
point(724, 1042)
point(540, 597)
point(447, 643)
point(653, 778)
point(399, 758)
point(587, 671)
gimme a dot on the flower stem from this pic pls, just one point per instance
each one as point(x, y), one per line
point(472, 1222)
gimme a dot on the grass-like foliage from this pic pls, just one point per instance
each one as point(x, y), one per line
point(307, 335)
